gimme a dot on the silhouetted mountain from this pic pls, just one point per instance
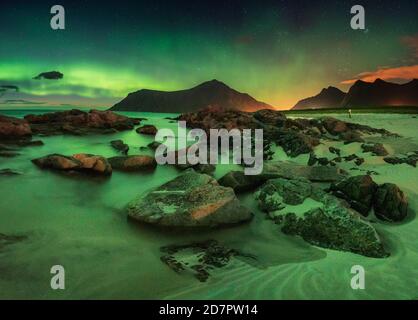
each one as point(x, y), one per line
point(330, 97)
point(210, 93)
point(364, 94)
point(381, 93)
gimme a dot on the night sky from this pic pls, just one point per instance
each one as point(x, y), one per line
point(277, 51)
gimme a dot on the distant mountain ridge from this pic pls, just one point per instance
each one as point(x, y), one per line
point(364, 94)
point(330, 97)
point(210, 93)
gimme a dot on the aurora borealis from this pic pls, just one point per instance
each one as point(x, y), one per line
point(277, 51)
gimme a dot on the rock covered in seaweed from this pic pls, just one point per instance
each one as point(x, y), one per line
point(190, 200)
point(358, 191)
point(390, 203)
point(329, 223)
point(363, 194)
point(199, 258)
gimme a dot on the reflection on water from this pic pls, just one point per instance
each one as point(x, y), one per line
point(80, 223)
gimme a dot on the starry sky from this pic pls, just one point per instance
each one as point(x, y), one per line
point(277, 51)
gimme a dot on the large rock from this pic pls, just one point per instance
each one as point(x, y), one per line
point(87, 163)
point(390, 203)
point(133, 163)
point(79, 122)
point(190, 200)
point(148, 129)
point(326, 223)
point(14, 128)
point(358, 191)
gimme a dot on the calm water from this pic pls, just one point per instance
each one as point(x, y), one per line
point(81, 223)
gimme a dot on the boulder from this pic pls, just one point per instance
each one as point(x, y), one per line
point(190, 200)
point(14, 128)
point(147, 129)
point(133, 163)
point(120, 146)
point(87, 163)
point(358, 191)
point(390, 203)
point(328, 223)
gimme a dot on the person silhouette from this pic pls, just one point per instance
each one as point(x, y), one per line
point(349, 113)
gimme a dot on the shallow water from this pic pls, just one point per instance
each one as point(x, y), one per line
point(81, 223)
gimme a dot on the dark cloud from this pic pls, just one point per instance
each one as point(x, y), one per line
point(6, 87)
point(20, 101)
point(9, 87)
point(50, 75)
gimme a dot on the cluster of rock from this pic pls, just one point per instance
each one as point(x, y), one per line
point(409, 158)
point(363, 194)
point(324, 161)
point(14, 128)
point(199, 258)
point(88, 163)
point(79, 162)
point(329, 224)
point(79, 122)
point(295, 136)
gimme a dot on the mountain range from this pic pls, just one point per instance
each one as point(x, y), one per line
point(364, 94)
point(210, 93)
